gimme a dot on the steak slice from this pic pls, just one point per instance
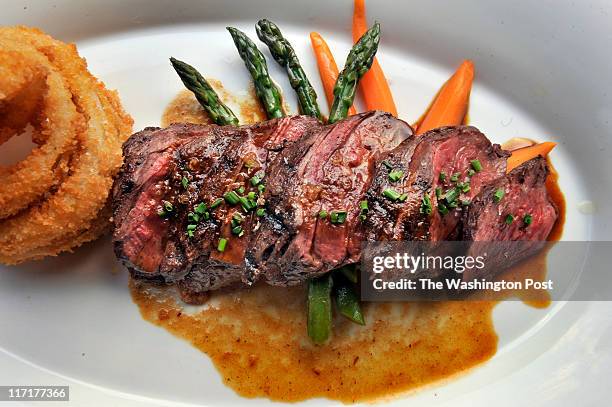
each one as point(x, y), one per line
point(140, 234)
point(533, 214)
point(248, 156)
point(328, 171)
point(437, 174)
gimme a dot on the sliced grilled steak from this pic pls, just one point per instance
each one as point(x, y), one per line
point(313, 196)
point(251, 150)
point(524, 215)
point(172, 171)
point(140, 234)
point(409, 208)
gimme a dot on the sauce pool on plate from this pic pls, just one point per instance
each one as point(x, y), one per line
point(257, 337)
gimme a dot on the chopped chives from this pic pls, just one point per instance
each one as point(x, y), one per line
point(498, 195)
point(247, 204)
point(455, 177)
point(255, 180)
point(190, 233)
point(451, 195)
point(402, 197)
point(193, 217)
point(200, 208)
point(168, 206)
point(216, 203)
point(236, 230)
point(231, 197)
point(465, 202)
point(240, 190)
point(509, 219)
point(465, 187)
point(438, 193)
point(363, 205)
point(251, 195)
point(237, 218)
point(442, 208)
point(442, 176)
point(527, 219)
point(476, 165)
point(191, 227)
point(395, 175)
point(471, 172)
point(426, 206)
point(222, 244)
point(260, 212)
point(185, 182)
point(337, 217)
point(387, 164)
point(391, 194)
point(322, 214)
point(261, 187)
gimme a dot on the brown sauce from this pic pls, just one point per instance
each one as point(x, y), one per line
point(184, 108)
point(257, 337)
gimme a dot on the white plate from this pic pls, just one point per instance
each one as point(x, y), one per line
point(543, 71)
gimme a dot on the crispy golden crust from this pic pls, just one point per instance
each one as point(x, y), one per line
point(78, 175)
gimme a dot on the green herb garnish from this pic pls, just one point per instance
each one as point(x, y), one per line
point(391, 194)
point(527, 219)
point(185, 182)
point(231, 197)
point(426, 206)
point(260, 212)
point(337, 217)
point(322, 214)
point(216, 203)
point(509, 219)
point(396, 175)
point(200, 208)
point(455, 177)
point(222, 244)
point(476, 165)
point(442, 176)
point(498, 195)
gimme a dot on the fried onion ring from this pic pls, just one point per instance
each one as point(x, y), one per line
point(83, 127)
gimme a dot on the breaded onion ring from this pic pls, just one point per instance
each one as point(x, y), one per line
point(30, 179)
point(69, 213)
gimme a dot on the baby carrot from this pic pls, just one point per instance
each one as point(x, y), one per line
point(450, 106)
point(328, 70)
point(527, 153)
point(374, 86)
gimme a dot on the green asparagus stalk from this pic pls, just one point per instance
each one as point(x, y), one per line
point(204, 93)
point(285, 55)
point(319, 308)
point(266, 91)
point(358, 62)
point(347, 300)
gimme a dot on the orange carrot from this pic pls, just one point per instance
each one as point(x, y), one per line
point(527, 153)
point(328, 70)
point(374, 86)
point(450, 105)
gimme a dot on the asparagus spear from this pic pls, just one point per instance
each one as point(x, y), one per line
point(319, 308)
point(285, 55)
point(358, 61)
point(204, 93)
point(347, 300)
point(266, 91)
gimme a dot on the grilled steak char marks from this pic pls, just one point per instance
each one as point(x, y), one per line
point(140, 234)
point(167, 230)
point(533, 215)
point(248, 156)
point(417, 213)
point(327, 172)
